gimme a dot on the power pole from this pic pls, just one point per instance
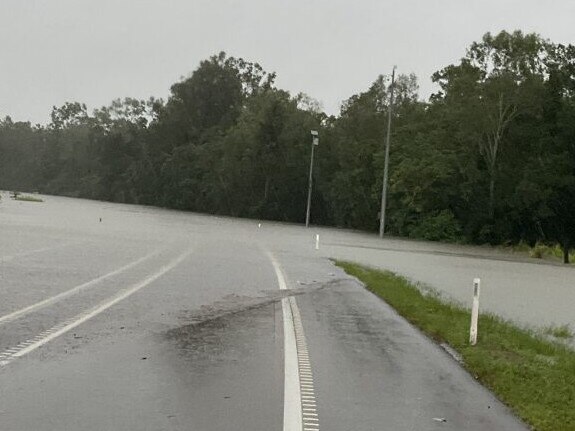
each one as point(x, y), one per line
point(386, 163)
point(314, 142)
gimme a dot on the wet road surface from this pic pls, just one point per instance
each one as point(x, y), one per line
point(161, 320)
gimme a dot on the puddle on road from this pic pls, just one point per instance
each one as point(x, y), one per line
point(223, 339)
point(225, 330)
point(225, 361)
point(233, 304)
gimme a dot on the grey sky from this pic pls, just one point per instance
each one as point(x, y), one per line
point(94, 51)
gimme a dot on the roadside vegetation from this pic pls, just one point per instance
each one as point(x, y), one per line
point(27, 198)
point(540, 250)
point(488, 159)
point(533, 375)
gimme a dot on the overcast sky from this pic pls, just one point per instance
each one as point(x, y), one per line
point(53, 51)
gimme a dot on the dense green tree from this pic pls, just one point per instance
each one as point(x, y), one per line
point(552, 167)
point(494, 91)
point(20, 162)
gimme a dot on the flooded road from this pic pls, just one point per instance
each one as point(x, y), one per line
point(126, 317)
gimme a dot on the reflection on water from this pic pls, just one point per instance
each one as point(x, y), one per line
point(226, 338)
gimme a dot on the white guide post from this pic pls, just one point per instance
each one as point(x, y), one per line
point(474, 312)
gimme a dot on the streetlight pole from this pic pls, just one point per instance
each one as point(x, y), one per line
point(314, 142)
point(386, 163)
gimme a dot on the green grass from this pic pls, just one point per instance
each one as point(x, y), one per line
point(533, 376)
point(28, 198)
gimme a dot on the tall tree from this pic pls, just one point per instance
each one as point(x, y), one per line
point(491, 87)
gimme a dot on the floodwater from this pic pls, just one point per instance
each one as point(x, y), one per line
point(128, 317)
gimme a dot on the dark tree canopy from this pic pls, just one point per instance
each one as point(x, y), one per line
point(489, 158)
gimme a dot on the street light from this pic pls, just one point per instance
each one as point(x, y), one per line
point(314, 142)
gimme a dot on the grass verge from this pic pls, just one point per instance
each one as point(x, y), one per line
point(27, 198)
point(540, 250)
point(533, 376)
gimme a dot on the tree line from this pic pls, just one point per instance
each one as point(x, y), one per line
point(489, 158)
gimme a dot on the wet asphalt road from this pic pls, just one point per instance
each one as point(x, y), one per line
point(160, 320)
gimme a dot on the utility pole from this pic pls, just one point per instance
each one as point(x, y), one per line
point(314, 142)
point(386, 163)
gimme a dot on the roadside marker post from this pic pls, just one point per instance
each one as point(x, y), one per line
point(317, 242)
point(474, 312)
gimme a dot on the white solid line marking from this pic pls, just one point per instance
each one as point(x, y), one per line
point(299, 395)
point(279, 274)
point(69, 324)
point(292, 402)
point(44, 303)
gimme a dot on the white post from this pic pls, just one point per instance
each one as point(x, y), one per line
point(474, 312)
point(317, 242)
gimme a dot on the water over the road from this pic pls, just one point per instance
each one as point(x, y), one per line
point(202, 345)
point(527, 291)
